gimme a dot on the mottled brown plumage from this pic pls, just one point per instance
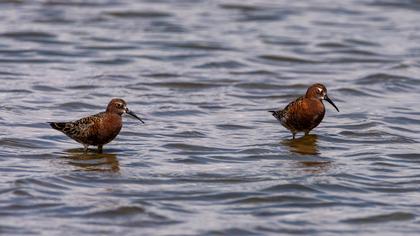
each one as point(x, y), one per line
point(99, 129)
point(306, 112)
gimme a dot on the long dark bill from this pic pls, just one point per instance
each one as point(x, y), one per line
point(326, 98)
point(134, 115)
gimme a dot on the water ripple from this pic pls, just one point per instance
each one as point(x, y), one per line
point(382, 218)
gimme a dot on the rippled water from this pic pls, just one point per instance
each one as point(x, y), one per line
point(210, 160)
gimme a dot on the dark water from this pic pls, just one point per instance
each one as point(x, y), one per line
point(210, 160)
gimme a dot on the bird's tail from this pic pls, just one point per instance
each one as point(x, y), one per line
point(276, 114)
point(57, 125)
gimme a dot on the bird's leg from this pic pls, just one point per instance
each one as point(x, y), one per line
point(294, 135)
point(100, 148)
point(85, 148)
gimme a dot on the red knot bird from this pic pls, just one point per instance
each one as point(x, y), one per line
point(306, 112)
point(99, 129)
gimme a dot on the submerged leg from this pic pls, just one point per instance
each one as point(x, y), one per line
point(85, 148)
point(100, 148)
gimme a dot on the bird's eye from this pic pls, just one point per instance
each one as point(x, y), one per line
point(319, 90)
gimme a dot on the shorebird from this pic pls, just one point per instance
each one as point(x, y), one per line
point(306, 112)
point(99, 129)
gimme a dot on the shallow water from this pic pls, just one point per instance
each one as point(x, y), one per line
point(210, 160)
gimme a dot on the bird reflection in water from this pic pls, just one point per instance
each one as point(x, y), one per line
point(91, 161)
point(315, 167)
point(307, 145)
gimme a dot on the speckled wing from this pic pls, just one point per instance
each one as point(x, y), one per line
point(282, 115)
point(80, 130)
point(285, 115)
